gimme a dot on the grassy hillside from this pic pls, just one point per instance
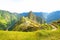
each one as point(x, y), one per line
point(37, 35)
point(7, 19)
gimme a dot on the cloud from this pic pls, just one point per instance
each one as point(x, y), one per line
point(27, 5)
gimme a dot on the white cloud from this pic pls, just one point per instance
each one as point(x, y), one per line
point(27, 5)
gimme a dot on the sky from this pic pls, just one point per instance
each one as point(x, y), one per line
point(20, 6)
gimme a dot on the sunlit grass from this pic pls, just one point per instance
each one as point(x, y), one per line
point(37, 35)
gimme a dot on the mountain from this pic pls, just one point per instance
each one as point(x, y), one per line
point(34, 17)
point(39, 16)
point(53, 16)
point(26, 24)
point(7, 19)
point(31, 22)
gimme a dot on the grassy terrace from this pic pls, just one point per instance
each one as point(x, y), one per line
point(37, 35)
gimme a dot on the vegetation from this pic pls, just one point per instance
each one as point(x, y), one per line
point(30, 27)
point(7, 19)
point(37, 35)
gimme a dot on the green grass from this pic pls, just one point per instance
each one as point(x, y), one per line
point(37, 35)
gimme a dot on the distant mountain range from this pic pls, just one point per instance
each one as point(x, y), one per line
point(40, 14)
point(53, 16)
point(48, 17)
point(37, 15)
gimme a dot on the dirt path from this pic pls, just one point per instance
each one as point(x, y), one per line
point(54, 27)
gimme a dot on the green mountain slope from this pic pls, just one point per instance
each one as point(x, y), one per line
point(7, 19)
